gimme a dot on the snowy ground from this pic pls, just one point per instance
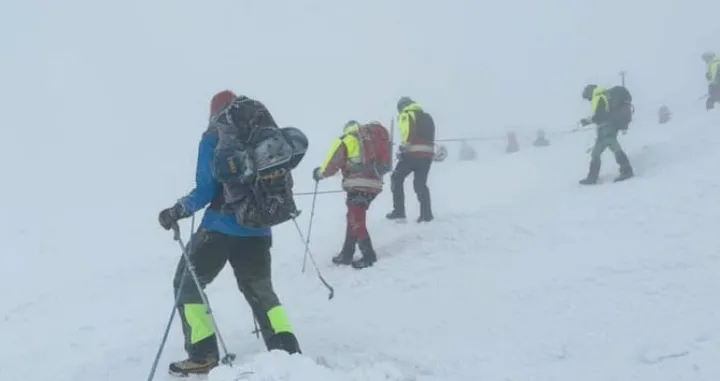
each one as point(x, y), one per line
point(524, 276)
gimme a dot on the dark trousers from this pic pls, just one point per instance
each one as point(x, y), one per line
point(607, 138)
point(713, 96)
point(420, 168)
point(251, 263)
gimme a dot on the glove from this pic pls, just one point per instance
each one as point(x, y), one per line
point(585, 121)
point(316, 174)
point(169, 217)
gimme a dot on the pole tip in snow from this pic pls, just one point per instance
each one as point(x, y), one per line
point(228, 359)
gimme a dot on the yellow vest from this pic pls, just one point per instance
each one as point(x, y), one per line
point(712, 71)
point(598, 94)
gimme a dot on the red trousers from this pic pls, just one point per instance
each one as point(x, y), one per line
point(357, 206)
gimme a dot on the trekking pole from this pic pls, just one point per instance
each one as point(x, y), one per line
point(312, 214)
point(312, 259)
point(172, 314)
point(256, 331)
point(229, 357)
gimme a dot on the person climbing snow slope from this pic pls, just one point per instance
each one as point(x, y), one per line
point(220, 239)
point(608, 126)
point(712, 74)
point(362, 155)
point(417, 149)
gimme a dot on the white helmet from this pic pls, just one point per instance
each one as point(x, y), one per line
point(708, 56)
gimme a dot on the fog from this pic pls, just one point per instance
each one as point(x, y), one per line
point(97, 95)
point(102, 103)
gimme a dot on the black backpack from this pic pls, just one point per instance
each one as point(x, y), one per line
point(620, 106)
point(253, 162)
point(424, 126)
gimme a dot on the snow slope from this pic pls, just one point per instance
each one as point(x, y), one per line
point(524, 275)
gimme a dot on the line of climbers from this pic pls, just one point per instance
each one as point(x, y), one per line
point(244, 182)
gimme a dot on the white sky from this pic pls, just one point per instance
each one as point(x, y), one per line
point(129, 81)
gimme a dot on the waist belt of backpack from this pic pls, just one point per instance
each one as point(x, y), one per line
point(362, 183)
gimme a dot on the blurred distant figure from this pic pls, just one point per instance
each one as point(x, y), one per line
point(512, 143)
point(541, 140)
point(467, 153)
point(664, 114)
point(441, 153)
point(713, 77)
point(608, 126)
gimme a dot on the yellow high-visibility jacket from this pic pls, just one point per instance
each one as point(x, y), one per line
point(343, 152)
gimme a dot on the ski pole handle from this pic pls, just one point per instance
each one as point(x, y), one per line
point(176, 231)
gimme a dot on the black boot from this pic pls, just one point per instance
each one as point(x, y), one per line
point(284, 341)
point(395, 215)
point(398, 195)
point(368, 254)
point(345, 256)
point(593, 173)
point(626, 170)
point(425, 209)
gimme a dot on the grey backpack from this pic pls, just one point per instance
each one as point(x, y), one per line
point(253, 161)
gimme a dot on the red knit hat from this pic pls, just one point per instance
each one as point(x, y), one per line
point(221, 100)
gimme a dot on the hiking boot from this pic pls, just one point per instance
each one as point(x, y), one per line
point(363, 262)
point(345, 256)
point(190, 366)
point(624, 176)
point(593, 173)
point(368, 255)
point(425, 209)
point(284, 341)
point(395, 215)
point(626, 170)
